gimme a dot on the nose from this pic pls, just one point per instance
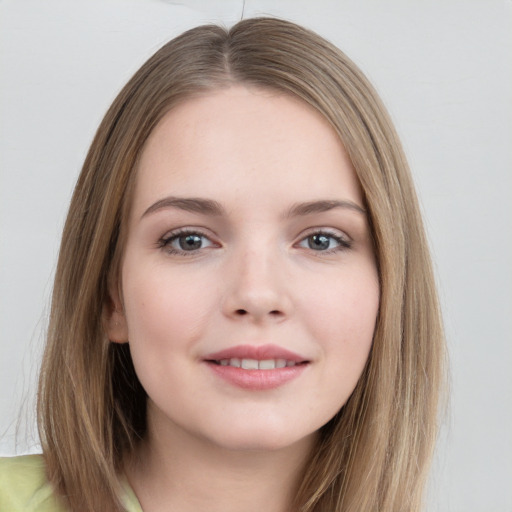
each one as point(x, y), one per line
point(257, 288)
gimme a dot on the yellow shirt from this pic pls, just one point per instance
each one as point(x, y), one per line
point(24, 487)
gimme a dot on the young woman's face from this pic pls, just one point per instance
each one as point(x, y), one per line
point(249, 283)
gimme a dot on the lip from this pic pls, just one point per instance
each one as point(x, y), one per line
point(259, 352)
point(256, 380)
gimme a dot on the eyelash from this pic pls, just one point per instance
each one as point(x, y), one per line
point(343, 242)
point(165, 243)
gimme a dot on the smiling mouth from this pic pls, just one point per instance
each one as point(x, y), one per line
point(255, 364)
point(257, 367)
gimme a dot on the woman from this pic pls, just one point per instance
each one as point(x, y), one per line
point(244, 314)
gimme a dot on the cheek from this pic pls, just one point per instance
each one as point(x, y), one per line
point(342, 321)
point(166, 316)
point(345, 304)
point(165, 308)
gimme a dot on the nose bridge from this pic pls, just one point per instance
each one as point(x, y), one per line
point(257, 284)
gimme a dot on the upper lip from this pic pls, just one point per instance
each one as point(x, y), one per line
point(258, 352)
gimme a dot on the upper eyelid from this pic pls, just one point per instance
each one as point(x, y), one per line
point(326, 231)
point(188, 230)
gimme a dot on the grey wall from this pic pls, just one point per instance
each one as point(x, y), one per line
point(445, 71)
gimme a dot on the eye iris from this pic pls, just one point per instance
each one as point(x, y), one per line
point(190, 242)
point(318, 242)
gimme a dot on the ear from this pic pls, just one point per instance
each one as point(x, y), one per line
point(114, 318)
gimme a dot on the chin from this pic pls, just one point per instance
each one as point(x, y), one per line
point(263, 439)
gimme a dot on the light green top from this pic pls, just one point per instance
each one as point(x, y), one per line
point(24, 487)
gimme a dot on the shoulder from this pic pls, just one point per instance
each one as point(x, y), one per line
point(24, 486)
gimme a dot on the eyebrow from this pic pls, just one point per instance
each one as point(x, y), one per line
point(210, 207)
point(324, 205)
point(188, 204)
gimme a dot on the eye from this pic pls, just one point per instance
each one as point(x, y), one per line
point(185, 242)
point(324, 242)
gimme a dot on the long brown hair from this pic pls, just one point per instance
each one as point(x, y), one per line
point(374, 455)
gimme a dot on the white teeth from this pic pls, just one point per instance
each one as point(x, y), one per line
point(249, 364)
point(254, 364)
point(267, 364)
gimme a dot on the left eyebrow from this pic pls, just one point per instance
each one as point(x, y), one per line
point(321, 206)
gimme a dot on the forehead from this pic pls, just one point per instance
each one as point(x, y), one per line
point(241, 142)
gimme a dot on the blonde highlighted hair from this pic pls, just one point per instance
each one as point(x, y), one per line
point(375, 453)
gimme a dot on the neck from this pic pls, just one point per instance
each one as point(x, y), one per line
point(174, 470)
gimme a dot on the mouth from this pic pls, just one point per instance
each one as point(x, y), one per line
point(256, 357)
point(255, 364)
point(257, 367)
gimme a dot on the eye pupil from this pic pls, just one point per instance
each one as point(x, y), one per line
point(190, 242)
point(318, 242)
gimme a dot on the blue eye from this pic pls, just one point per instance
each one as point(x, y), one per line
point(185, 242)
point(324, 242)
point(189, 242)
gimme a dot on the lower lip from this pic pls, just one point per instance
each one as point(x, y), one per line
point(257, 380)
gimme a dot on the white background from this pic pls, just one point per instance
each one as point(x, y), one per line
point(444, 69)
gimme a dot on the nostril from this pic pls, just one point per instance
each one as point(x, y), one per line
point(243, 312)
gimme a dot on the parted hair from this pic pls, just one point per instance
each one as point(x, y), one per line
point(374, 455)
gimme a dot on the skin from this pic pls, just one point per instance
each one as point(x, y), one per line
point(255, 276)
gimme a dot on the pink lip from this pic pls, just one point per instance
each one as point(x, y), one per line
point(260, 352)
point(256, 380)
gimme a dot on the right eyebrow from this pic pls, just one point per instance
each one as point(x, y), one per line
point(188, 204)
